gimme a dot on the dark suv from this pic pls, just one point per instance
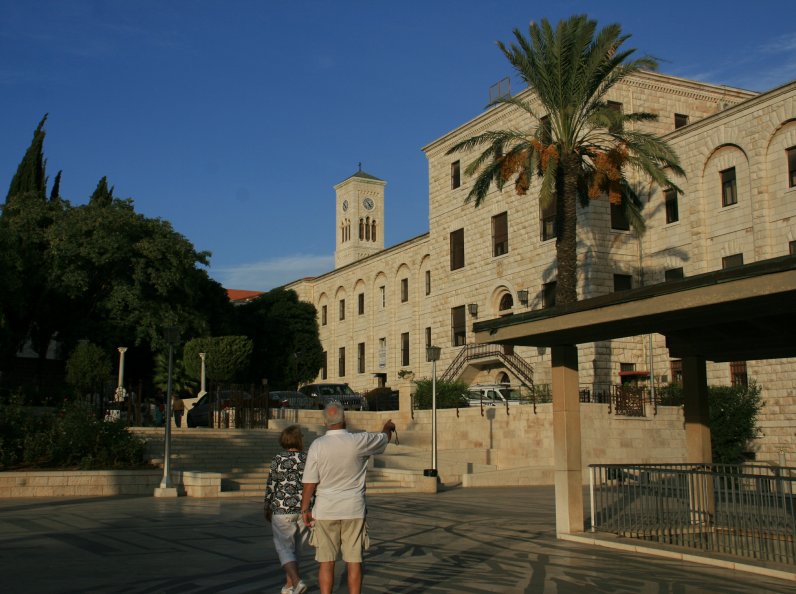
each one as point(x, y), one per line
point(323, 393)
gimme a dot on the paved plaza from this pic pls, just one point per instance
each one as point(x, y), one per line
point(458, 541)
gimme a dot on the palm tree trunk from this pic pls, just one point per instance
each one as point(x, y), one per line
point(566, 241)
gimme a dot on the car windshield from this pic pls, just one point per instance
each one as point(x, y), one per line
point(510, 394)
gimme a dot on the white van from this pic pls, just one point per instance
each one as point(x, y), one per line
point(493, 395)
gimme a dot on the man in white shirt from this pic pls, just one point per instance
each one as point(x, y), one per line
point(335, 474)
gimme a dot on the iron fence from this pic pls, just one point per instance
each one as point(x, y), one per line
point(742, 510)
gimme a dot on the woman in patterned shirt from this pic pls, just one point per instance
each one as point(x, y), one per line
point(283, 506)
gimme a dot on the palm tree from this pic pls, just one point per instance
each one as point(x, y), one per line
point(579, 145)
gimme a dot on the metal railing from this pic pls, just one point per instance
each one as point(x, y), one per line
point(741, 510)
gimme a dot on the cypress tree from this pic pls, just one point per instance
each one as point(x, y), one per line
point(102, 196)
point(30, 177)
point(55, 193)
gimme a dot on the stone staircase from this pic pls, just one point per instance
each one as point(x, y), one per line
point(242, 458)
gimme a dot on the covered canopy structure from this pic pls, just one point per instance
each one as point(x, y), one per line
point(743, 313)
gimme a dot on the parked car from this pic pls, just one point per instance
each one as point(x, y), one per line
point(323, 393)
point(293, 399)
point(493, 395)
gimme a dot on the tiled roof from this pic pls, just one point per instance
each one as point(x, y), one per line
point(242, 296)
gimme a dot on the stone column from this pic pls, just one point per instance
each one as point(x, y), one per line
point(697, 435)
point(567, 440)
point(695, 409)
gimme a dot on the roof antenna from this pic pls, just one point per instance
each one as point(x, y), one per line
point(360, 166)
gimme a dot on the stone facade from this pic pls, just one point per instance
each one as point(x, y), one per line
point(378, 312)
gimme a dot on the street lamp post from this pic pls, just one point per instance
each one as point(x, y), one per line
point(432, 354)
point(167, 489)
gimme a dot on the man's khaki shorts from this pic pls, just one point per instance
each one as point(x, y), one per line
point(333, 537)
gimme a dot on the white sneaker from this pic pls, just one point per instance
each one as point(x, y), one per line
point(286, 590)
point(299, 588)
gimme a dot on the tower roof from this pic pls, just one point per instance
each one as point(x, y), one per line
point(361, 174)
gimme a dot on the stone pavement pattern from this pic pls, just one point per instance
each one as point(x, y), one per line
point(458, 541)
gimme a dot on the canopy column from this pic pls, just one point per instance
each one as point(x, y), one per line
point(696, 410)
point(567, 440)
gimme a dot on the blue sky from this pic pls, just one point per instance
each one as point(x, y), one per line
point(235, 119)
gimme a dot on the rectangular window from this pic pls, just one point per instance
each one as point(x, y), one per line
point(623, 282)
point(382, 353)
point(325, 365)
point(732, 261)
point(738, 374)
point(404, 348)
point(619, 220)
point(428, 336)
point(361, 357)
point(672, 212)
point(383, 292)
point(323, 315)
point(549, 294)
point(792, 167)
point(729, 191)
point(341, 362)
point(404, 290)
point(680, 120)
point(361, 303)
point(342, 309)
point(456, 177)
point(615, 106)
point(458, 326)
point(673, 274)
point(676, 365)
point(500, 234)
point(457, 249)
point(428, 282)
point(547, 219)
point(792, 248)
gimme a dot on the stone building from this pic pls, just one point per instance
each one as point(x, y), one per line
point(379, 308)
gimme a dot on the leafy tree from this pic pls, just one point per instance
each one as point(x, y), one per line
point(228, 358)
point(128, 277)
point(99, 271)
point(284, 330)
point(574, 141)
point(449, 394)
point(88, 367)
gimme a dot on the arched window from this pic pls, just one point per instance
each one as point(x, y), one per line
point(361, 229)
point(503, 378)
point(373, 230)
point(506, 302)
point(342, 232)
point(367, 228)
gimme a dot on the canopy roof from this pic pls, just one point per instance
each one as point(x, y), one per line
point(742, 313)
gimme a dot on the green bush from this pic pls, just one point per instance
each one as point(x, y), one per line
point(733, 417)
point(449, 394)
point(87, 368)
point(72, 437)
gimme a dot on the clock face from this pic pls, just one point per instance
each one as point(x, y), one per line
point(345, 205)
point(367, 203)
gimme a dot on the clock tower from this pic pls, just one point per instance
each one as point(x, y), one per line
point(359, 216)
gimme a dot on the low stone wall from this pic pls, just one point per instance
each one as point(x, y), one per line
point(102, 483)
point(79, 483)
